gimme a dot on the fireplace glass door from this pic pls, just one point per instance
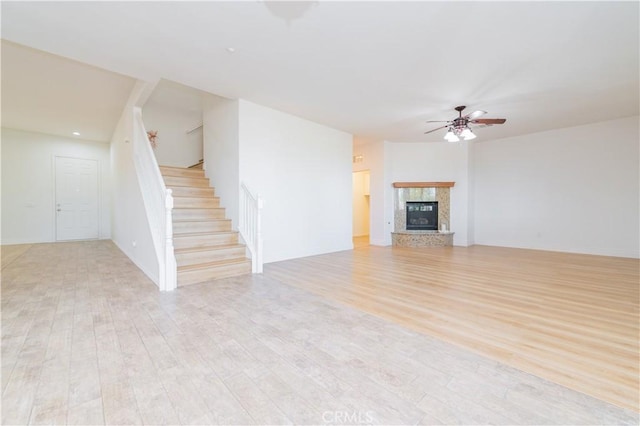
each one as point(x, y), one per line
point(422, 215)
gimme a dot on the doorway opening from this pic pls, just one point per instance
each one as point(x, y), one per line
point(361, 208)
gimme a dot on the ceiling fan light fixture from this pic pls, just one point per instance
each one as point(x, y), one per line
point(459, 127)
point(467, 134)
point(450, 136)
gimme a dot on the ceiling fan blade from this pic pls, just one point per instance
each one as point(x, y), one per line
point(475, 114)
point(438, 121)
point(434, 130)
point(489, 121)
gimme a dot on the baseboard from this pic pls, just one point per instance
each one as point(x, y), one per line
point(609, 252)
point(12, 242)
point(381, 243)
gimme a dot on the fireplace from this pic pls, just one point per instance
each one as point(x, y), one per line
point(422, 215)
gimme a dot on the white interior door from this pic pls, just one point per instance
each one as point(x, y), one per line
point(76, 199)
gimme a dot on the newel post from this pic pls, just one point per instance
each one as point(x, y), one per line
point(258, 241)
point(170, 261)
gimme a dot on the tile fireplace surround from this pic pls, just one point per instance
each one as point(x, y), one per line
point(421, 191)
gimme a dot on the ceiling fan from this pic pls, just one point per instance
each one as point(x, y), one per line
point(459, 126)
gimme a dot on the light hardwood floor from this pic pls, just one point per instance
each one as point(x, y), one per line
point(9, 253)
point(570, 318)
point(88, 339)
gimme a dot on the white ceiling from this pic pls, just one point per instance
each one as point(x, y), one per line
point(374, 69)
point(45, 93)
point(176, 96)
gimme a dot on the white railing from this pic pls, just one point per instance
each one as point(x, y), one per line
point(249, 225)
point(158, 203)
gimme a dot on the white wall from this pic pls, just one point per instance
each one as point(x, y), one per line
point(175, 147)
point(303, 171)
point(129, 225)
point(360, 204)
point(28, 191)
point(435, 162)
point(221, 151)
point(574, 189)
point(471, 194)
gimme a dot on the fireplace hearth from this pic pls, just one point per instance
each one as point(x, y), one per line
point(422, 215)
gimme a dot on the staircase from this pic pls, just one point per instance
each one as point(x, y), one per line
point(205, 246)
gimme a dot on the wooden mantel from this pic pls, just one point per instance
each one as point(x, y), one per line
point(423, 184)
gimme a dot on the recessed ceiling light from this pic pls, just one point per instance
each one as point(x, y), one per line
point(76, 133)
point(231, 50)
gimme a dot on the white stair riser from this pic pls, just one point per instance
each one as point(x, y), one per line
point(169, 171)
point(187, 191)
point(196, 202)
point(207, 240)
point(213, 273)
point(204, 256)
point(172, 181)
point(198, 214)
point(220, 225)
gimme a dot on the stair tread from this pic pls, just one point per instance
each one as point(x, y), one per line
point(206, 197)
point(199, 220)
point(175, 167)
point(195, 234)
point(177, 185)
point(192, 191)
point(183, 177)
point(225, 262)
point(196, 226)
point(186, 185)
point(172, 186)
point(198, 188)
point(189, 172)
point(198, 208)
point(197, 249)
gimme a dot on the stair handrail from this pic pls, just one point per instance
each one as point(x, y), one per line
point(158, 202)
point(250, 225)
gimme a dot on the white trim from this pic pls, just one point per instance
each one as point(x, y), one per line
point(250, 226)
point(158, 203)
